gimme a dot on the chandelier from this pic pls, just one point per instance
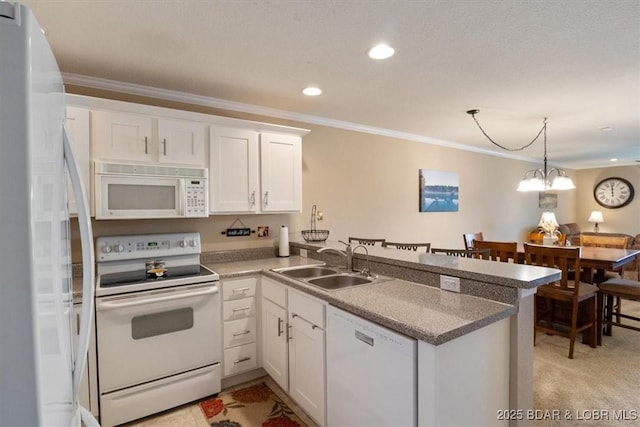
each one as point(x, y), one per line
point(541, 179)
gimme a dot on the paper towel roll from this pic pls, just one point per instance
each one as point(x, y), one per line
point(283, 248)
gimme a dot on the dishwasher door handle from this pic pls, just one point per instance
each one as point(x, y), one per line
point(364, 338)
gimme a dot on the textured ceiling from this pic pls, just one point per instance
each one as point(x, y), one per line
point(575, 62)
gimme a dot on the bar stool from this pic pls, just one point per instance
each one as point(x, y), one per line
point(618, 288)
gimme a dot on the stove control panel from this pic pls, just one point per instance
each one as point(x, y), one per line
point(112, 248)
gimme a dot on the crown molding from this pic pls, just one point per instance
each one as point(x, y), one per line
point(205, 101)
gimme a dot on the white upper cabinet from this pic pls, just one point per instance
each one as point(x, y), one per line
point(122, 136)
point(281, 172)
point(253, 172)
point(142, 138)
point(233, 171)
point(77, 125)
point(181, 142)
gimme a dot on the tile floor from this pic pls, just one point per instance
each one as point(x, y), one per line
point(190, 415)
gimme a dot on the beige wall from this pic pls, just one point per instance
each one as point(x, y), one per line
point(367, 185)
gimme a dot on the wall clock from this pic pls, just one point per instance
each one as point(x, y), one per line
point(613, 192)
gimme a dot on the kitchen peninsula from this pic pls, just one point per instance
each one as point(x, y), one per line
point(476, 343)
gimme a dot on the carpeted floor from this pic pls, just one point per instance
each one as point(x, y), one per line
point(599, 387)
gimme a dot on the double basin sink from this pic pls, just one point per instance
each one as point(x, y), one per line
point(329, 278)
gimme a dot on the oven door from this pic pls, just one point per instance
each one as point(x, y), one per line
point(150, 335)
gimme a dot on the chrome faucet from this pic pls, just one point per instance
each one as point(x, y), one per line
point(367, 270)
point(347, 253)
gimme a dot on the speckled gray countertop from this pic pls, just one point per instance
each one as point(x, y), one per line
point(419, 311)
point(500, 273)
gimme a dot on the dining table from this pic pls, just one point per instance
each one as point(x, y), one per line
point(598, 260)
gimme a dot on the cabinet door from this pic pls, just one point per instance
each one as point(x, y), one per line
point(181, 142)
point(121, 136)
point(77, 124)
point(281, 172)
point(233, 172)
point(274, 343)
point(307, 367)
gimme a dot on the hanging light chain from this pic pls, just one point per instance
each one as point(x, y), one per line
point(544, 127)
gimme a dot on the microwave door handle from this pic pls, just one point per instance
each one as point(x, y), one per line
point(88, 263)
point(183, 198)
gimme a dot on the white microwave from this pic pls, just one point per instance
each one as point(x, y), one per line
point(134, 191)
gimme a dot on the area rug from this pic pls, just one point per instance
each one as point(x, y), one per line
point(252, 406)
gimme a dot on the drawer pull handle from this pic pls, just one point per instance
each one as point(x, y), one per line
point(237, 334)
point(244, 359)
point(237, 290)
point(235, 310)
point(289, 335)
point(280, 322)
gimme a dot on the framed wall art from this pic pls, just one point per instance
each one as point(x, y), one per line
point(438, 191)
point(547, 200)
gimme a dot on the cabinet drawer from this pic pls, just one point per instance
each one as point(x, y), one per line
point(309, 308)
point(239, 332)
point(239, 309)
point(274, 292)
point(240, 359)
point(238, 288)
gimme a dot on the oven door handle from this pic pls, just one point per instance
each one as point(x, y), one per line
point(114, 304)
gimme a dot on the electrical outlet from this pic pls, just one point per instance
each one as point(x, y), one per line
point(319, 215)
point(449, 283)
point(303, 253)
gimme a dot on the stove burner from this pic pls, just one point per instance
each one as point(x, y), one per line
point(141, 276)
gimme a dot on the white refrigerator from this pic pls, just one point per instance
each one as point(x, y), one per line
point(40, 371)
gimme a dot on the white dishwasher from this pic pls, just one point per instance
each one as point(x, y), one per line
point(371, 374)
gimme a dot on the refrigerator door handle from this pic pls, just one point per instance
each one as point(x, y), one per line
point(88, 264)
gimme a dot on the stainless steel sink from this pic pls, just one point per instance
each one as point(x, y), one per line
point(308, 272)
point(329, 278)
point(339, 281)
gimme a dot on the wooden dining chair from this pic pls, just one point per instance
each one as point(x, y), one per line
point(615, 242)
point(407, 246)
point(537, 237)
point(570, 292)
point(619, 289)
point(500, 251)
point(599, 241)
point(465, 253)
point(470, 237)
point(366, 241)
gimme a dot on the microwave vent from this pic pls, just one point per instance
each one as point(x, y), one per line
point(149, 170)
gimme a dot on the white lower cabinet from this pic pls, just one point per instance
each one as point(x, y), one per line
point(239, 328)
point(293, 345)
point(89, 382)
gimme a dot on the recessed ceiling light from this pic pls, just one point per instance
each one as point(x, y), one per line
point(311, 91)
point(606, 128)
point(381, 51)
point(613, 160)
